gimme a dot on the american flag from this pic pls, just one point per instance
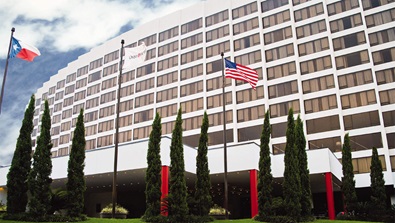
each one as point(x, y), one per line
point(240, 72)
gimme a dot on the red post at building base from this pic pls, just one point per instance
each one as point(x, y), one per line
point(164, 189)
point(329, 196)
point(254, 193)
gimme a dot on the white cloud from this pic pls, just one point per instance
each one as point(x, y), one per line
point(64, 25)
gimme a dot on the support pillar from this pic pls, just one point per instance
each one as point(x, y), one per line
point(329, 196)
point(164, 188)
point(254, 192)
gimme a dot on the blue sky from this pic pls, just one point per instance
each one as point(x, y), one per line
point(62, 30)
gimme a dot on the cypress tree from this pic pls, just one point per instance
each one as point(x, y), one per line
point(178, 207)
point(348, 187)
point(39, 180)
point(377, 183)
point(153, 175)
point(265, 177)
point(300, 143)
point(75, 172)
point(20, 166)
point(291, 185)
point(203, 183)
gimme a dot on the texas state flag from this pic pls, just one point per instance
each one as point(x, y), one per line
point(23, 50)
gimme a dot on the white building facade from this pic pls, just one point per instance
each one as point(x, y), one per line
point(332, 61)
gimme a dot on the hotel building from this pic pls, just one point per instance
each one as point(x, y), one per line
point(332, 61)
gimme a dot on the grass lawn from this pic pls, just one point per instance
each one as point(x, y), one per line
point(101, 220)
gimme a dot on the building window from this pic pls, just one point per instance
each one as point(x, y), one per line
point(342, 6)
point(320, 104)
point(110, 70)
point(362, 165)
point(144, 100)
point(244, 10)
point(79, 95)
point(276, 19)
point(249, 58)
point(249, 133)
point(309, 12)
point(318, 84)
point(111, 56)
point(279, 130)
point(125, 136)
point(217, 18)
point(58, 107)
point(281, 70)
point(125, 120)
point(216, 83)
point(69, 89)
point(217, 49)
point(246, 42)
point(107, 97)
point(77, 108)
point(167, 111)
point(281, 109)
point(55, 130)
point(67, 113)
point(358, 99)
point(167, 78)
point(82, 71)
point(352, 59)
point(277, 35)
point(149, 40)
point(218, 118)
point(190, 89)
point(127, 91)
point(90, 144)
point(384, 56)
point(391, 140)
point(59, 95)
point(313, 46)
point(126, 105)
point(216, 33)
point(387, 97)
point(141, 133)
point(109, 83)
point(283, 89)
point(90, 130)
point(106, 126)
point(247, 95)
point(91, 116)
point(80, 83)
point(145, 84)
point(333, 144)
point(167, 63)
point(91, 103)
point(272, 4)
point(346, 23)
point(168, 48)
point(191, 72)
point(107, 111)
point(60, 84)
point(191, 56)
point(93, 90)
point(167, 94)
point(146, 69)
point(65, 126)
point(297, 2)
point(70, 78)
point(168, 34)
point(355, 79)
point(95, 64)
point(366, 142)
point(192, 105)
point(128, 76)
point(191, 41)
point(380, 18)
point(245, 26)
point(324, 124)
point(361, 120)
point(104, 141)
point(389, 118)
point(381, 37)
point(311, 29)
point(94, 77)
point(315, 65)
point(191, 26)
point(216, 100)
point(248, 114)
point(214, 66)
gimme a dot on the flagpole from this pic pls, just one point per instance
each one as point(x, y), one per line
point(224, 138)
point(6, 68)
point(114, 180)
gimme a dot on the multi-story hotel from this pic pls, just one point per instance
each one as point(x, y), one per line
point(332, 61)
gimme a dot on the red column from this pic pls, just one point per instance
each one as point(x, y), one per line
point(254, 193)
point(329, 196)
point(165, 187)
